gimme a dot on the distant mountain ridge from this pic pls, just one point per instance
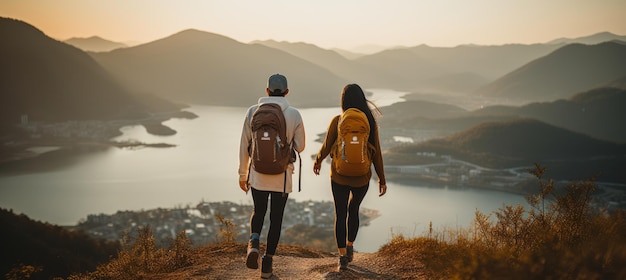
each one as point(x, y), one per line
point(570, 69)
point(52, 81)
point(94, 44)
point(328, 59)
point(460, 69)
point(419, 68)
point(194, 66)
point(590, 40)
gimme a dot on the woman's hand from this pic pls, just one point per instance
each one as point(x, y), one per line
point(316, 168)
point(382, 189)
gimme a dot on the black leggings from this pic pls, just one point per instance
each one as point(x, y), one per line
point(278, 202)
point(347, 202)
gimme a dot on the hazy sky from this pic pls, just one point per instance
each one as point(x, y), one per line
point(327, 23)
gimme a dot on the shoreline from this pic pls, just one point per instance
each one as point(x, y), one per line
point(417, 181)
point(19, 153)
point(611, 196)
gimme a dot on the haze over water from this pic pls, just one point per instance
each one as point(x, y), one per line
point(203, 166)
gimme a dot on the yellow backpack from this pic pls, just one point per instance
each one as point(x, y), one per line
point(351, 155)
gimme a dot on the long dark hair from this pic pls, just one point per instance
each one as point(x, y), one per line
point(352, 96)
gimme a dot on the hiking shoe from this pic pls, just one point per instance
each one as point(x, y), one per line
point(266, 267)
point(252, 259)
point(343, 262)
point(350, 253)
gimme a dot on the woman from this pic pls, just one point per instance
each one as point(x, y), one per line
point(349, 191)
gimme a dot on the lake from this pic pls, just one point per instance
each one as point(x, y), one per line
point(203, 166)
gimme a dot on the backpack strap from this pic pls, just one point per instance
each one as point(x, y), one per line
point(299, 168)
point(248, 176)
point(300, 175)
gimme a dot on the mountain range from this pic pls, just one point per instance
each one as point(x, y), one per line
point(461, 69)
point(522, 142)
point(598, 113)
point(488, 71)
point(200, 67)
point(48, 80)
point(421, 68)
point(570, 69)
point(195, 66)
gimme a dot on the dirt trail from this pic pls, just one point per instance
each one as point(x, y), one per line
point(292, 262)
point(293, 265)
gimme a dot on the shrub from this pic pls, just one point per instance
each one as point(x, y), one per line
point(561, 236)
point(227, 230)
point(140, 256)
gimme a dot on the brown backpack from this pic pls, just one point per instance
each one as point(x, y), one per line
point(270, 151)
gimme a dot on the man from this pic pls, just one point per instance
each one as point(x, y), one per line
point(274, 188)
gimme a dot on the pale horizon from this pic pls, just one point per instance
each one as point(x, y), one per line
point(328, 24)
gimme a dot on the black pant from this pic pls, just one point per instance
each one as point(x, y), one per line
point(347, 202)
point(278, 202)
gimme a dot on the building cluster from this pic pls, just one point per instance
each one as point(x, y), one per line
point(202, 224)
point(454, 172)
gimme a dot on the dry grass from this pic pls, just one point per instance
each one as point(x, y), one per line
point(561, 236)
point(140, 256)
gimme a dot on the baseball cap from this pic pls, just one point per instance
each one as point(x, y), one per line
point(277, 81)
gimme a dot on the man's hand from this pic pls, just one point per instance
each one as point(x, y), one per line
point(244, 186)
